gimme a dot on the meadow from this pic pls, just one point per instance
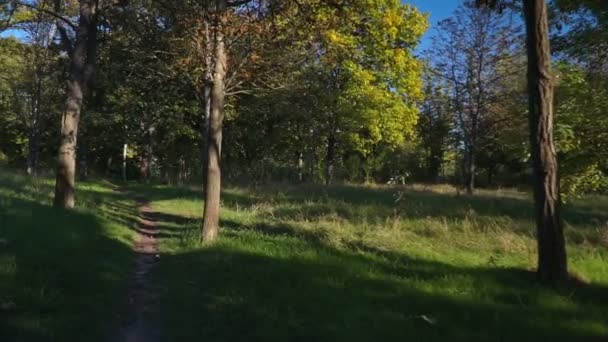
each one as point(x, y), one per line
point(300, 262)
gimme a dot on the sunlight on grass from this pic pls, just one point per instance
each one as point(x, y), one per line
point(352, 263)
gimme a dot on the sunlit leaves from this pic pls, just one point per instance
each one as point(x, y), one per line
point(377, 81)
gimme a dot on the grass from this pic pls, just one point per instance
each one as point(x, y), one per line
point(364, 264)
point(301, 263)
point(62, 273)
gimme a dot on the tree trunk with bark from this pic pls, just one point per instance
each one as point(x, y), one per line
point(211, 214)
point(80, 56)
point(552, 261)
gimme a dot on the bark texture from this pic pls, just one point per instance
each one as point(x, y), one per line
point(211, 214)
point(82, 58)
point(552, 261)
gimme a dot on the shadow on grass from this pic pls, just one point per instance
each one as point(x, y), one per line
point(233, 292)
point(60, 272)
point(270, 281)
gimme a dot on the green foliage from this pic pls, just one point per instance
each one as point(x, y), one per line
point(376, 80)
point(581, 130)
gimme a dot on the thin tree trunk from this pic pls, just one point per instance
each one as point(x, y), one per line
point(211, 215)
point(32, 155)
point(470, 170)
point(552, 261)
point(311, 165)
point(150, 151)
point(124, 162)
point(331, 156)
point(76, 86)
point(300, 167)
point(33, 148)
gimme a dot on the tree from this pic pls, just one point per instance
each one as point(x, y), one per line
point(82, 60)
point(434, 127)
point(475, 52)
point(552, 261)
point(370, 80)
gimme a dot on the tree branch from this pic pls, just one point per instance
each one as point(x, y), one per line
point(45, 11)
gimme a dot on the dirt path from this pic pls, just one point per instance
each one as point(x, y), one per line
point(139, 319)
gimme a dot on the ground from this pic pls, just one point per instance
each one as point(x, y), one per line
point(301, 263)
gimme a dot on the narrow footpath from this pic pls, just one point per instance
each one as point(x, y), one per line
point(139, 319)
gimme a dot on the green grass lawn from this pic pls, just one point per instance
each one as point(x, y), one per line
point(62, 273)
point(300, 263)
point(353, 264)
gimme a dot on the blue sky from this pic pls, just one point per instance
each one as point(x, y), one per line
point(438, 10)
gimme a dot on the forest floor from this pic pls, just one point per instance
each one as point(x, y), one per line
point(299, 263)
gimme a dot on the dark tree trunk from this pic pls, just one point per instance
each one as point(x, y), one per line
point(330, 159)
point(552, 261)
point(86, 40)
point(211, 215)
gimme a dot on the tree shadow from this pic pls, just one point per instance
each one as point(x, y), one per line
point(55, 266)
point(233, 292)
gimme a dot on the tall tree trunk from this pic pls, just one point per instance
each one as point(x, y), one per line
point(76, 87)
point(552, 261)
point(211, 215)
point(330, 159)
